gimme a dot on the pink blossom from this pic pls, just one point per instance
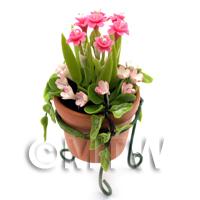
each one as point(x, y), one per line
point(96, 19)
point(103, 43)
point(67, 93)
point(102, 88)
point(81, 99)
point(62, 70)
point(118, 28)
point(123, 72)
point(77, 36)
point(61, 83)
point(116, 17)
point(127, 88)
point(82, 22)
point(135, 76)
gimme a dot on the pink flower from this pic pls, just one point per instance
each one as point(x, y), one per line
point(127, 88)
point(67, 93)
point(81, 99)
point(135, 77)
point(103, 43)
point(96, 19)
point(118, 28)
point(102, 88)
point(116, 17)
point(62, 70)
point(123, 72)
point(82, 22)
point(77, 36)
point(61, 83)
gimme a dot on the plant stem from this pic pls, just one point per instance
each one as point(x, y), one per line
point(82, 89)
point(102, 58)
point(81, 49)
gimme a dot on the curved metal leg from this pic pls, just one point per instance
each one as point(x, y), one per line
point(131, 156)
point(63, 156)
point(108, 190)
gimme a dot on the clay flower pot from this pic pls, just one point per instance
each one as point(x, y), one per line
point(79, 147)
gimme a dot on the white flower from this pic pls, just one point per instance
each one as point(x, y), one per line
point(67, 93)
point(62, 70)
point(61, 83)
point(102, 88)
point(135, 77)
point(81, 99)
point(127, 88)
point(123, 72)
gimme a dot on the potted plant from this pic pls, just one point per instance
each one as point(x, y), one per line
point(95, 96)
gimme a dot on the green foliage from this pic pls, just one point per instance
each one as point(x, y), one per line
point(106, 72)
point(140, 115)
point(51, 89)
point(48, 108)
point(119, 110)
point(86, 70)
point(88, 54)
point(74, 68)
point(44, 122)
point(116, 91)
point(93, 96)
point(123, 98)
point(93, 109)
point(101, 138)
point(98, 66)
point(120, 129)
point(95, 33)
point(105, 158)
point(69, 129)
point(97, 121)
point(147, 78)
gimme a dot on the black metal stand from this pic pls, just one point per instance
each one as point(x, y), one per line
point(131, 156)
point(103, 184)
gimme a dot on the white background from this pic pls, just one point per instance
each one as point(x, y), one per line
point(164, 40)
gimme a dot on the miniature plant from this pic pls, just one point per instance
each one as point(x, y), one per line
point(93, 78)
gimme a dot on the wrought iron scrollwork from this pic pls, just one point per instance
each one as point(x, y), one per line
point(132, 156)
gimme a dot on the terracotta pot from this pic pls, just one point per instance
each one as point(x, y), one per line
point(79, 147)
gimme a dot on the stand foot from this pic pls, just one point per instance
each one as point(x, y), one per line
point(63, 156)
point(108, 190)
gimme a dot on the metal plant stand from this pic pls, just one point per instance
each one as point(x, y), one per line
point(103, 184)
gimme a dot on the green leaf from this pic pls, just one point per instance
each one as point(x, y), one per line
point(97, 66)
point(74, 68)
point(106, 72)
point(119, 110)
point(123, 98)
point(140, 115)
point(105, 159)
point(44, 122)
point(97, 121)
point(89, 57)
point(69, 129)
point(114, 69)
point(93, 96)
point(120, 129)
point(52, 83)
point(93, 109)
point(48, 108)
point(95, 33)
point(147, 78)
point(46, 93)
point(116, 91)
point(77, 51)
point(118, 48)
point(102, 138)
